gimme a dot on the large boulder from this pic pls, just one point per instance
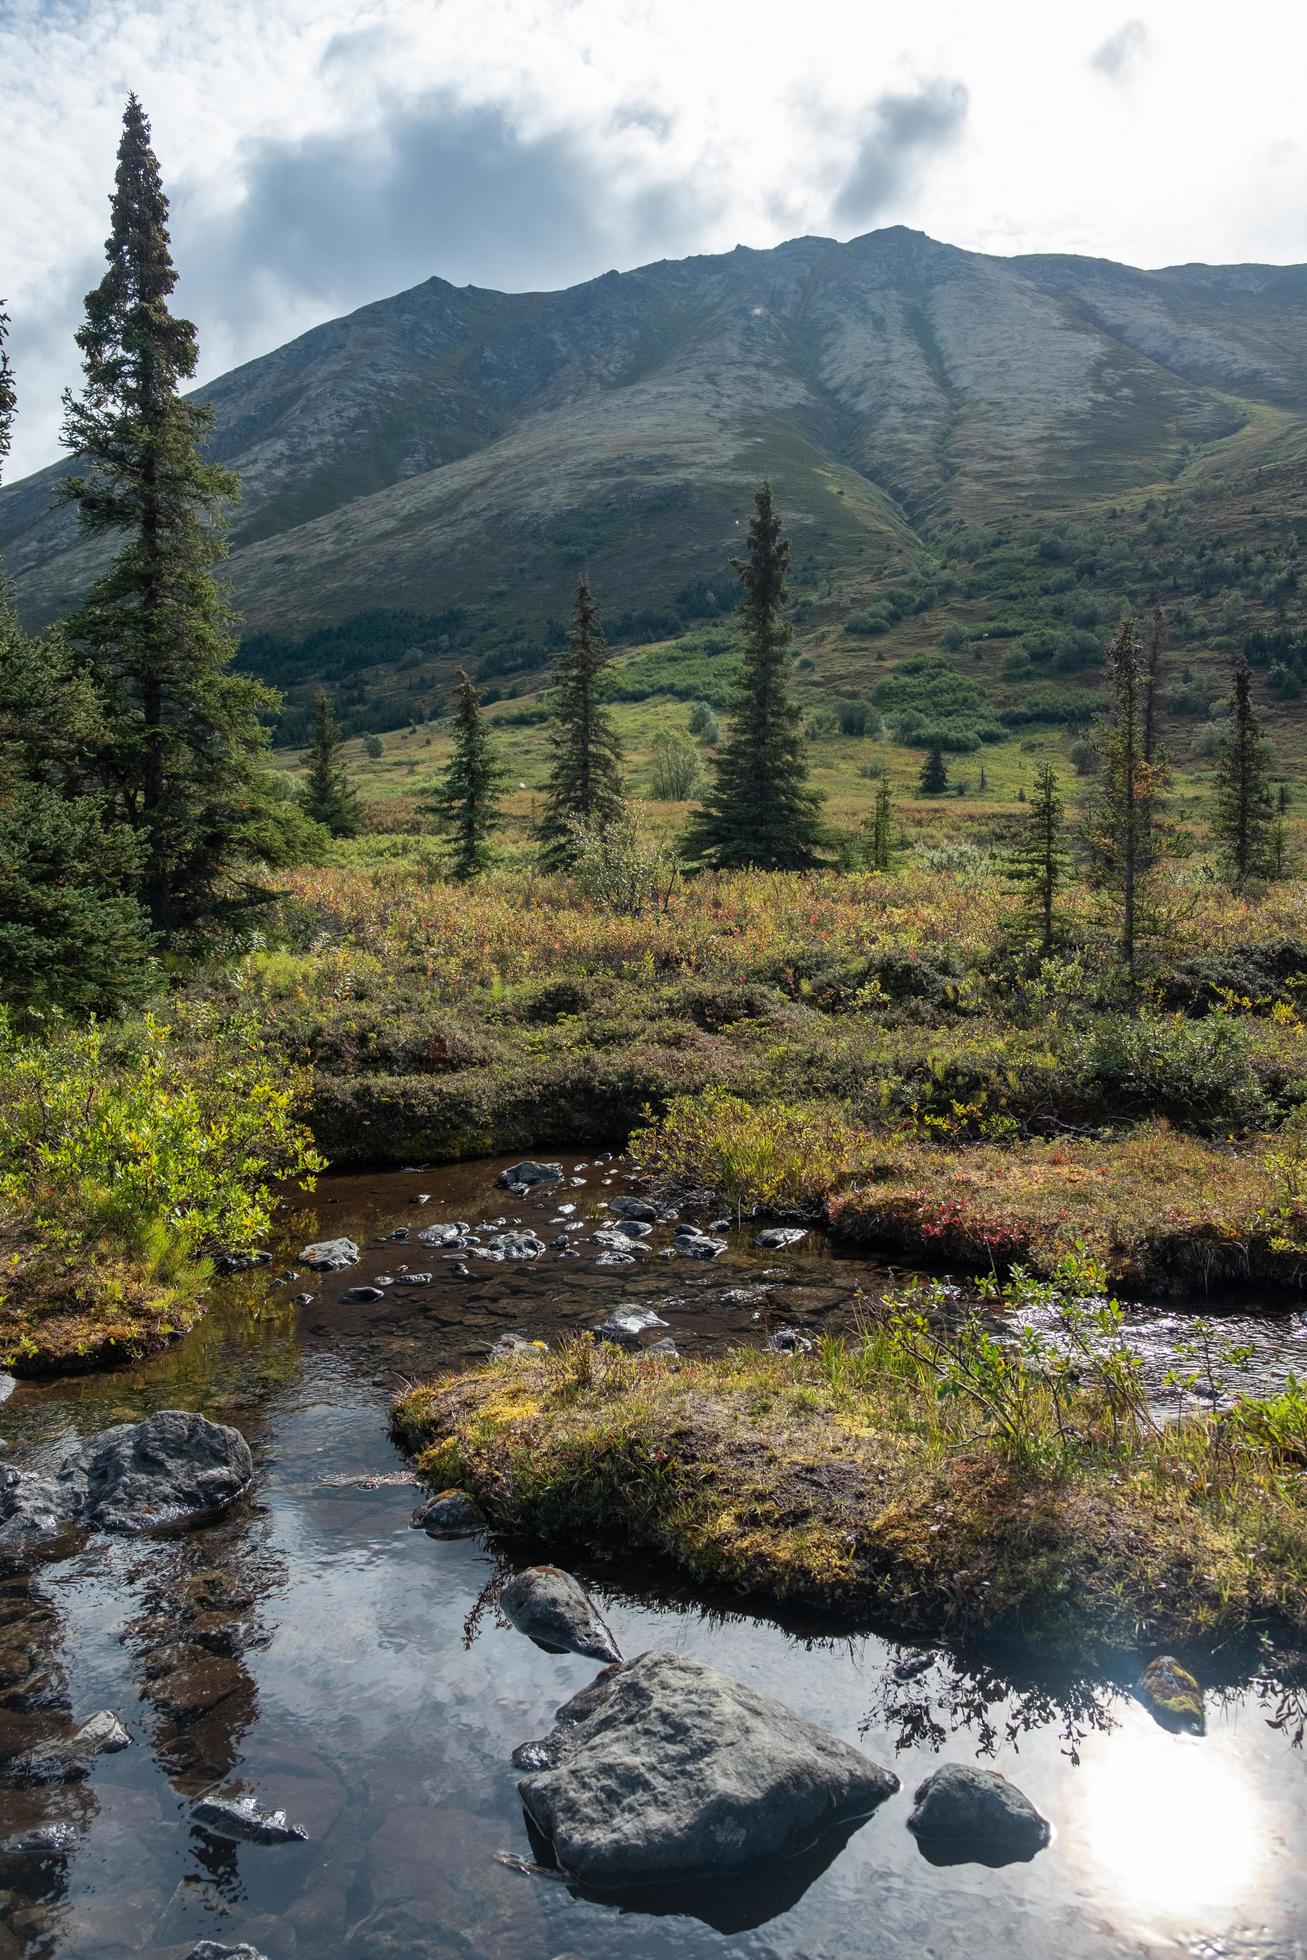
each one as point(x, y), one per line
point(552, 1609)
point(664, 1769)
point(968, 1814)
point(520, 1176)
point(172, 1468)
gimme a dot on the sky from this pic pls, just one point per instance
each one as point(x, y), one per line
point(319, 156)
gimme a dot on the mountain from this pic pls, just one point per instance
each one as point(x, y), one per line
point(454, 455)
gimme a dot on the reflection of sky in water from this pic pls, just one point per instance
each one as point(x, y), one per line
point(370, 1720)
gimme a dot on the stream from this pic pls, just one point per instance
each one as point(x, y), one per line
point(310, 1648)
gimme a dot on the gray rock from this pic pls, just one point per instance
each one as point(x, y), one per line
point(420, 1198)
point(666, 1350)
point(628, 1324)
point(174, 1466)
point(415, 1279)
point(361, 1296)
point(440, 1235)
point(451, 1514)
point(1173, 1695)
point(788, 1340)
point(36, 1510)
point(519, 1176)
point(42, 1841)
point(964, 1812)
point(509, 1345)
point(215, 1950)
point(610, 1256)
point(329, 1255)
point(777, 1237)
point(68, 1758)
point(513, 1245)
point(665, 1769)
point(694, 1245)
point(552, 1609)
point(241, 1817)
point(633, 1228)
point(636, 1208)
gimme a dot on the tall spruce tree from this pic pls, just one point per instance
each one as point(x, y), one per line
point(71, 934)
point(585, 784)
point(328, 795)
point(183, 732)
point(1039, 862)
point(759, 810)
point(466, 801)
point(879, 846)
point(1244, 817)
point(933, 780)
point(1123, 831)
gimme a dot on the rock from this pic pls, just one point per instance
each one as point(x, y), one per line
point(788, 1340)
point(627, 1324)
point(420, 1198)
point(964, 1813)
point(215, 1950)
point(513, 1245)
point(552, 1609)
point(173, 1466)
point(36, 1510)
point(777, 1237)
point(635, 1208)
point(633, 1228)
point(361, 1296)
point(67, 1759)
point(611, 1257)
point(665, 1769)
point(329, 1255)
point(520, 1176)
point(52, 1840)
point(515, 1344)
point(440, 1235)
point(666, 1350)
point(1173, 1695)
point(451, 1514)
point(241, 1817)
point(415, 1279)
point(691, 1244)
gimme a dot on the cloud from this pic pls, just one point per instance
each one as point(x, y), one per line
point(1121, 52)
point(905, 131)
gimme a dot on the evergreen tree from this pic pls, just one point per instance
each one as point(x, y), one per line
point(585, 785)
point(933, 780)
point(759, 810)
point(8, 396)
point(1039, 862)
point(328, 796)
point(1122, 831)
point(880, 832)
point(465, 801)
point(183, 732)
point(1245, 804)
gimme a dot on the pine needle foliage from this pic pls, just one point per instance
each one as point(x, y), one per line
point(585, 784)
point(879, 845)
point(1040, 860)
point(155, 633)
point(759, 811)
point(933, 780)
point(465, 801)
point(1244, 816)
point(328, 795)
point(1123, 833)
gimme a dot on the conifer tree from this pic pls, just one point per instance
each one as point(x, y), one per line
point(759, 810)
point(1123, 832)
point(465, 801)
point(1039, 862)
point(182, 731)
point(1245, 803)
point(880, 832)
point(8, 396)
point(585, 784)
point(328, 796)
point(933, 780)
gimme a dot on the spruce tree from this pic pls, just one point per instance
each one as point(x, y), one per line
point(880, 832)
point(760, 811)
point(1244, 816)
point(328, 796)
point(1123, 831)
point(585, 784)
point(1039, 861)
point(465, 801)
point(933, 780)
point(8, 396)
point(154, 633)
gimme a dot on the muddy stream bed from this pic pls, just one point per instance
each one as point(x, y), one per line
point(313, 1649)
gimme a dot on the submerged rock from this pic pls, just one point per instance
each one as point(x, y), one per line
point(361, 1296)
point(665, 1769)
point(551, 1608)
point(1173, 1695)
point(451, 1514)
point(522, 1175)
point(441, 1235)
point(216, 1950)
point(636, 1208)
point(689, 1244)
point(330, 1255)
point(68, 1758)
point(241, 1817)
point(627, 1324)
point(963, 1813)
point(633, 1228)
point(51, 1840)
point(513, 1245)
point(777, 1237)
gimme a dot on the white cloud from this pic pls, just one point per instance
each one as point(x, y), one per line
point(322, 152)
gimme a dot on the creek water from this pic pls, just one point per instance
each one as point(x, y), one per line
point(312, 1649)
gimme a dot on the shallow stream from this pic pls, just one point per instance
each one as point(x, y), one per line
point(313, 1649)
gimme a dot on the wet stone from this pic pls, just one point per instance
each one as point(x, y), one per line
point(522, 1176)
point(627, 1324)
point(778, 1238)
point(969, 1815)
point(68, 1759)
point(330, 1255)
point(638, 1209)
point(788, 1340)
point(694, 1245)
point(551, 1608)
point(440, 1235)
point(1173, 1695)
point(217, 1950)
point(361, 1296)
point(242, 1818)
point(450, 1514)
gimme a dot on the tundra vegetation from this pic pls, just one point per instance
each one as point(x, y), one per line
point(1042, 1023)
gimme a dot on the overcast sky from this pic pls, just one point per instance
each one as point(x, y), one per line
point(319, 156)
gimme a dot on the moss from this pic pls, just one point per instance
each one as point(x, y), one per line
point(799, 1479)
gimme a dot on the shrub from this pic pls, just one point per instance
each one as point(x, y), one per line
point(676, 769)
point(873, 621)
point(859, 718)
point(704, 724)
point(1193, 1072)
